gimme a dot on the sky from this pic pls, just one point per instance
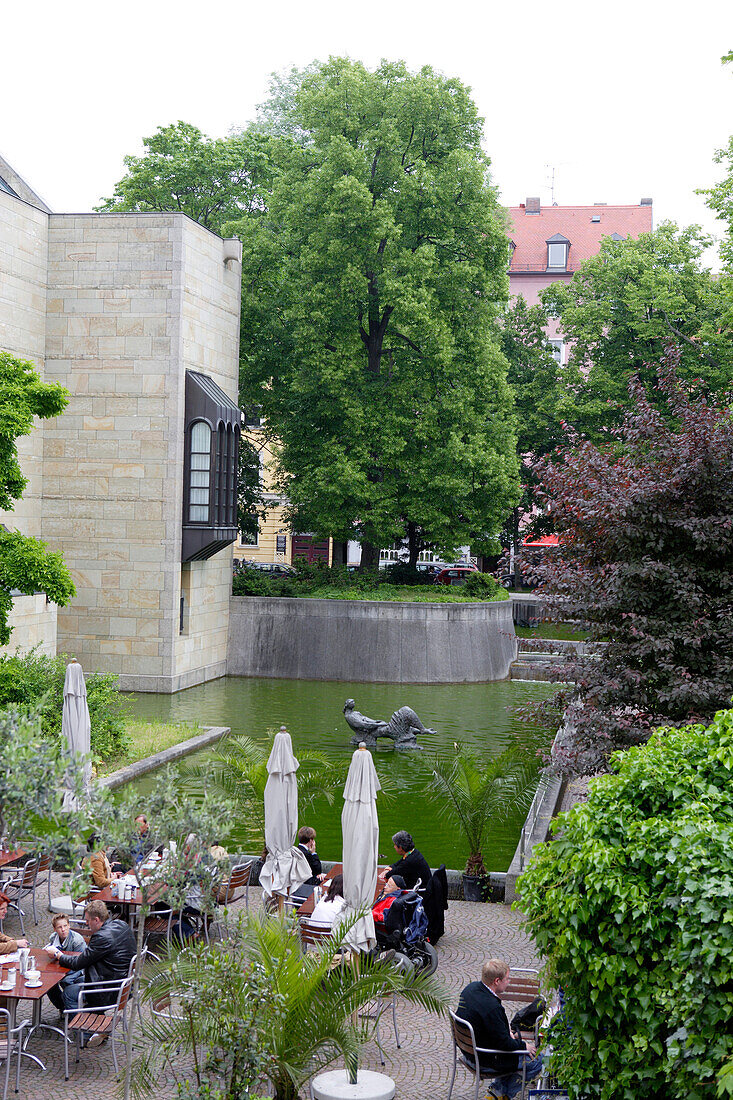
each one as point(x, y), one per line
point(623, 99)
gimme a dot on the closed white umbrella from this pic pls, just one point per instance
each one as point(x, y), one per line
point(360, 829)
point(76, 726)
point(285, 867)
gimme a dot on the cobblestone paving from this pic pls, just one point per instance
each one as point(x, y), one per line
point(421, 1068)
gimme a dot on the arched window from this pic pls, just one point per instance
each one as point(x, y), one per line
point(200, 473)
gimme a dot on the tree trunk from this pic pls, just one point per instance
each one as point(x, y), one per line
point(369, 558)
point(516, 565)
point(414, 545)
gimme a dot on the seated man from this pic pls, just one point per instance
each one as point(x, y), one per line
point(144, 845)
point(106, 958)
point(307, 845)
point(412, 865)
point(65, 940)
point(480, 1006)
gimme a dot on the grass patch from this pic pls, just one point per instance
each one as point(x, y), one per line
point(403, 593)
point(147, 738)
point(558, 632)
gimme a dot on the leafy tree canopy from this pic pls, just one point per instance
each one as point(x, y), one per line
point(630, 906)
point(624, 306)
point(646, 540)
point(720, 197)
point(26, 565)
point(369, 322)
point(213, 180)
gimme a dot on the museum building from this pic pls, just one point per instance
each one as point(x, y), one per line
point(137, 316)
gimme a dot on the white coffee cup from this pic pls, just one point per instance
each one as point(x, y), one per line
point(33, 975)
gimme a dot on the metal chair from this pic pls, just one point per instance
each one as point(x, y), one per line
point(238, 881)
point(159, 923)
point(11, 1042)
point(523, 988)
point(95, 1018)
point(21, 886)
point(464, 1041)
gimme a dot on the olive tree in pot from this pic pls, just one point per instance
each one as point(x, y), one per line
point(477, 792)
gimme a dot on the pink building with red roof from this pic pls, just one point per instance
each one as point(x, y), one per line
point(549, 243)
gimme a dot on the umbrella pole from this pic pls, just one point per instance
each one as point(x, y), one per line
point(280, 904)
point(353, 1075)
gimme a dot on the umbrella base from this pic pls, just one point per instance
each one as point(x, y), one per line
point(335, 1085)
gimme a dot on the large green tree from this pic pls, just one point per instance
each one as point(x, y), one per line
point(26, 564)
point(369, 324)
point(213, 180)
point(625, 305)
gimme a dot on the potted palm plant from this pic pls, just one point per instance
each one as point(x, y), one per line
point(478, 792)
point(264, 1010)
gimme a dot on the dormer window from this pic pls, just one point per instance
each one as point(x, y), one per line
point(557, 253)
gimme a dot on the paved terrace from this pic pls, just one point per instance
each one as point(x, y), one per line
point(421, 1067)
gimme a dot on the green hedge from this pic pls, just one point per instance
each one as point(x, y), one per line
point(26, 681)
point(631, 905)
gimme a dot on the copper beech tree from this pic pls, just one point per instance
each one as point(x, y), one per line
point(645, 530)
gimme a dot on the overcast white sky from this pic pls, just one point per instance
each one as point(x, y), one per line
point(625, 99)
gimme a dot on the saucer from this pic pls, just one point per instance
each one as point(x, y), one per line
point(7, 985)
point(33, 985)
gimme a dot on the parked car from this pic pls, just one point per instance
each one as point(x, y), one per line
point(455, 574)
point(279, 569)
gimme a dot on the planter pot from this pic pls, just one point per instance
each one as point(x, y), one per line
point(473, 887)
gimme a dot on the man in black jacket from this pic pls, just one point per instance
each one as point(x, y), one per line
point(106, 957)
point(412, 865)
point(307, 845)
point(480, 1006)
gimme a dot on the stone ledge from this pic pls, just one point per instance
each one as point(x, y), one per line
point(167, 756)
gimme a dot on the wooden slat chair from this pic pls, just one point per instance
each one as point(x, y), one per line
point(464, 1043)
point(11, 1042)
point(22, 885)
point(236, 885)
point(524, 986)
point(98, 1019)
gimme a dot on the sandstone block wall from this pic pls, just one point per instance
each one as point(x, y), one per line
point(118, 287)
point(23, 260)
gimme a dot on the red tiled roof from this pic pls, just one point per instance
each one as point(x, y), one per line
point(530, 232)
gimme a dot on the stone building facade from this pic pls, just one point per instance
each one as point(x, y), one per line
point(119, 308)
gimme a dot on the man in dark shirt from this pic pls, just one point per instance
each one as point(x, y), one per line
point(106, 957)
point(480, 1006)
point(412, 864)
point(307, 845)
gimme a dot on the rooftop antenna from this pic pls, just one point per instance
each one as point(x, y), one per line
point(553, 169)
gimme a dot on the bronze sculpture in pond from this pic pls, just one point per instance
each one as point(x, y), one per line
point(402, 728)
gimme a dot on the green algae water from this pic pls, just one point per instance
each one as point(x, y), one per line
point(476, 715)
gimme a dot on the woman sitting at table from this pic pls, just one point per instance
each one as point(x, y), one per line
point(8, 946)
point(102, 873)
point(328, 908)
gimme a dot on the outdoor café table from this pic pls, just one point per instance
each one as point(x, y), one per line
point(10, 857)
point(51, 975)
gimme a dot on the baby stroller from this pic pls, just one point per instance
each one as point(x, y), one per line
point(404, 929)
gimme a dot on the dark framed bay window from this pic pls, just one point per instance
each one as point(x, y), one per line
point(212, 427)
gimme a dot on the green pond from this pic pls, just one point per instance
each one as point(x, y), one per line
point(477, 715)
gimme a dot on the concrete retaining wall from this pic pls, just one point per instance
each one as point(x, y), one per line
point(374, 641)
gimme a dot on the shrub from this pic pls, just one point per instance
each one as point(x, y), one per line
point(401, 573)
point(630, 904)
point(37, 680)
point(481, 586)
point(251, 582)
